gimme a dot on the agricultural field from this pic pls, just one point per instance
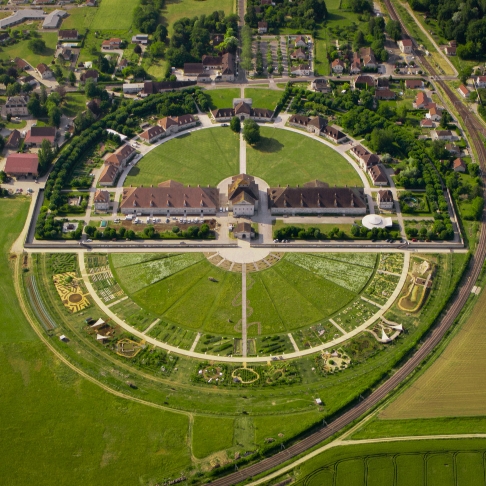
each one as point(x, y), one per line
point(263, 98)
point(277, 160)
point(201, 157)
point(454, 385)
point(421, 463)
point(222, 98)
point(114, 14)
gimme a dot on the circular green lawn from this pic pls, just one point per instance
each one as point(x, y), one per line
point(284, 157)
point(200, 157)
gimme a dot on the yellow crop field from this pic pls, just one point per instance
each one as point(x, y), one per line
point(455, 385)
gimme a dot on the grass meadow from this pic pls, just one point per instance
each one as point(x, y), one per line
point(75, 104)
point(202, 157)
point(222, 98)
point(79, 18)
point(211, 435)
point(21, 50)
point(52, 421)
point(114, 14)
point(263, 98)
point(279, 159)
point(417, 463)
point(177, 9)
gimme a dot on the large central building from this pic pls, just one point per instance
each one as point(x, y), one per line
point(170, 198)
point(316, 197)
point(243, 195)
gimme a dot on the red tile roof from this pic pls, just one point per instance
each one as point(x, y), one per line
point(22, 164)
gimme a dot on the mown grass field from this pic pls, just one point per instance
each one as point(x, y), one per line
point(178, 290)
point(278, 159)
point(114, 14)
point(417, 463)
point(222, 98)
point(52, 421)
point(22, 50)
point(263, 98)
point(177, 9)
point(79, 18)
point(287, 296)
point(211, 434)
point(202, 157)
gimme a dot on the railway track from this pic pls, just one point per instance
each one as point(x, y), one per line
point(475, 130)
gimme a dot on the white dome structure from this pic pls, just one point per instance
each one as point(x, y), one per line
point(371, 221)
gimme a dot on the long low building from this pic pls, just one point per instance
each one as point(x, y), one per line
point(243, 111)
point(170, 198)
point(316, 198)
point(22, 165)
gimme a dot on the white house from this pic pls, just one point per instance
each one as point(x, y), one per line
point(405, 45)
point(102, 200)
point(337, 66)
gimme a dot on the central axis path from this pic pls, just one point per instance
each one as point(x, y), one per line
point(243, 311)
point(242, 154)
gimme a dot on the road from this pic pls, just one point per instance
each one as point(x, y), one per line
point(434, 337)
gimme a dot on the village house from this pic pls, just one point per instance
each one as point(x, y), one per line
point(89, 74)
point(315, 198)
point(463, 91)
point(337, 66)
point(36, 135)
point(421, 101)
point(427, 123)
point(414, 84)
point(21, 65)
point(332, 133)
point(174, 124)
point(299, 55)
point(17, 106)
point(442, 135)
point(362, 81)
point(121, 156)
point(355, 67)
point(434, 114)
point(459, 165)
point(170, 198)
point(301, 70)
point(140, 39)
point(321, 85)
point(13, 140)
point(28, 79)
point(65, 54)
point(367, 57)
point(365, 158)
point(20, 16)
point(385, 94)
point(244, 231)
point(44, 71)
point(262, 27)
point(153, 134)
point(108, 175)
point(378, 175)
point(300, 41)
point(385, 199)
point(113, 43)
point(481, 82)
point(312, 125)
point(405, 45)
point(18, 165)
point(451, 49)
point(453, 149)
point(243, 195)
point(101, 200)
point(68, 36)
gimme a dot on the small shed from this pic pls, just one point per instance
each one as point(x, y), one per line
point(98, 323)
point(244, 231)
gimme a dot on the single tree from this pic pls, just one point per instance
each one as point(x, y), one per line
point(251, 132)
point(235, 124)
point(37, 46)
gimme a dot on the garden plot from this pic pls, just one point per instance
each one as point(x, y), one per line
point(220, 345)
point(391, 262)
point(361, 259)
point(330, 362)
point(139, 276)
point(126, 259)
point(315, 335)
point(352, 277)
point(355, 315)
point(173, 335)
point(133, 315)
point(95, 262)
point(105, 284)
point(273, 345)
point(61, 262)
point(381, 288)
